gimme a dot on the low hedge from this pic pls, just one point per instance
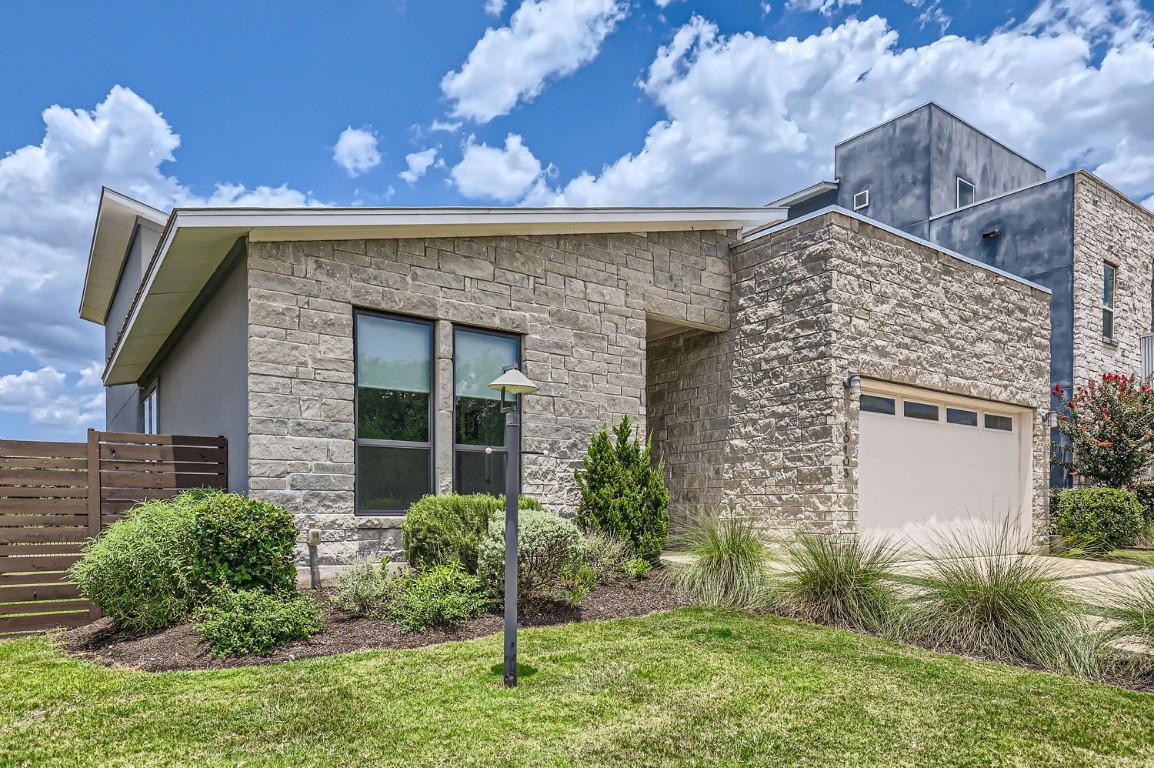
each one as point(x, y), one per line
point(1098, 519)
point(440, 530)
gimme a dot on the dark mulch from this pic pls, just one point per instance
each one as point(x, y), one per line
point(180, 647)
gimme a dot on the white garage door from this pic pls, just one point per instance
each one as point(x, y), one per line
point(930, 464)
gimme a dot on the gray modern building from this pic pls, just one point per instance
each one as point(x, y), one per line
point(933, 175)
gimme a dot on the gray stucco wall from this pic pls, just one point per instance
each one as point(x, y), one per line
point(202, 383)
point(764, 402)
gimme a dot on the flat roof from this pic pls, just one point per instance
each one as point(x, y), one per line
point(196, 241)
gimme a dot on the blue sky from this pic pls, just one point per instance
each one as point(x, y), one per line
point(483, 102)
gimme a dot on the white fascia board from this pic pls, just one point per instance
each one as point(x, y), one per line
point(116, 220)
point(896, 232)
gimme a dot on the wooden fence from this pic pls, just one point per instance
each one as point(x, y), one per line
point(56, 496)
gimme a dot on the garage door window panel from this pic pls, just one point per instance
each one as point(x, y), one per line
point(1001, 423)
point(962, 416)
point(878, 404)
point(924, 411)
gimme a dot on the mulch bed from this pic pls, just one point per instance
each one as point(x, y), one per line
point(180, 647)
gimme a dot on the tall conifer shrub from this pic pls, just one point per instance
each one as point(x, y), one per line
point(622, 493)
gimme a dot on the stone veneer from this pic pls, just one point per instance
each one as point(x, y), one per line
point(757, 417)
point(1109, 227)
point(580, 301)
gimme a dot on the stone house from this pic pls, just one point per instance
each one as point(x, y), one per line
point(828, 372)
point(935, 176)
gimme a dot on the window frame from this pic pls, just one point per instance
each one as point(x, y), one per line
point(958, 192)
point(520, 339)
point(1111, 269)
point(358, 441)
point(861, 206)
point(944, 404)
point(150, 406)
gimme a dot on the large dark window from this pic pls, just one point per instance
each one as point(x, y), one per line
point(394, 377)
point(478, 424)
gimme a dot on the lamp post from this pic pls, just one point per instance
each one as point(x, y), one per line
point(512, 382)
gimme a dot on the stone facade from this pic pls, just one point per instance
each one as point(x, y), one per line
point(580, 302)
point(1110, 228)
point(813, 303)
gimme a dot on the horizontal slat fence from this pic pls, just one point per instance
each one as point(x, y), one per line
point(56, 496)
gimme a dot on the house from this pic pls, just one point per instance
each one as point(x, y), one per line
point(935, 176)
point(827, 372)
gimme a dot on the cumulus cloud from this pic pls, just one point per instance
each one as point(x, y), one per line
point(419, 163)
point(748, 118)
point(49, 400)
point(356, 151)
point(545, 39)
point(494, 7)
point(825, 7)
point(48, 199)
point(495, 173)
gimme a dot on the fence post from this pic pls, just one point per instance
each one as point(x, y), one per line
point(94, 499)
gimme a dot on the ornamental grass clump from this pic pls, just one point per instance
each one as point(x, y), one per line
point(1131, 610)
point(980, 597)
point(728, 564)
point(842, 580)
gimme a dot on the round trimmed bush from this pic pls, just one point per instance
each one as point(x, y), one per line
point(440, 530)
point(238, 622)
point(1099, 519)
point(139, 570)
point(243, 544)
point(548, 549)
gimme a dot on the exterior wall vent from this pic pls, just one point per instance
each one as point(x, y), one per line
point(861, 200)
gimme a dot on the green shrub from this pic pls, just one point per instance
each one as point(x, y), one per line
point(1145, 493)
point(439, 530)
point(729, 565)
point(1098, 519)
point(244, 544)
point(622, 494)
point(548, 549)
point(441, 595)
point(365, 588)
point(980, 597)
point(606, 555)
point(637, 568)
point(138, 570)
point(841, 581)
point(238, 622)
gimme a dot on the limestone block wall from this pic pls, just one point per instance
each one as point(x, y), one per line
point(579, 301)
point(813, 303)
point(1109, 227)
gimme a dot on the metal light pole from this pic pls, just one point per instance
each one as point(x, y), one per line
point(513, 382)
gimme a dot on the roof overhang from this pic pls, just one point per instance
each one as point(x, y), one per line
point(116, 221)
point(197, 241)
point(809, 193)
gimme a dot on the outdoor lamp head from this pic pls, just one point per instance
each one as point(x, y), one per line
point(514, 382)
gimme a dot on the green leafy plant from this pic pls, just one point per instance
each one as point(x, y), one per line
point(979, 596)
point(577, 582)
point(637, 568)
point(1110, 426)
point(439, 530)
point(622, 493)
point(139, 570)
point(606, 555)
point(365, 588)
point(239, 622)
point(548, 546)
point(441, 595)
point(1098, 519)
point(244, 544)
point(728, 562)
point(843, 580)
point(1145, 493)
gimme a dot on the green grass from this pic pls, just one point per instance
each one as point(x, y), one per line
point(1139, 556)
point(695, 687)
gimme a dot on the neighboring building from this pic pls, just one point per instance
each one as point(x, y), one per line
point(826, 372)
point(933, 175)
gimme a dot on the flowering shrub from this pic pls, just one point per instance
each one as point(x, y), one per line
point(1110, 425)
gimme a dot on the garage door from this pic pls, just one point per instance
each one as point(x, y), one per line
point(928, 464)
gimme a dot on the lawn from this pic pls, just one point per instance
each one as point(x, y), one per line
point(692, 687)
point(1134, 555)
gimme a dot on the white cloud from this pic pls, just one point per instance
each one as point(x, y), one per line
point(356, 151)
point(446, 126)
point(419, 163)
point(48, 400)
point(499, 174)
point(494, 7)
point(749, 118)
point(48, 198)
point(663, 3)
point(826, 7)
point(545, 39)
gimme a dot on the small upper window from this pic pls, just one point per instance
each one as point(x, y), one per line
point(965, 193)
point(962, 416)
point(875, 404)
point(861, 200)
point(1109, 276)
point(925, 411)
point(1003, 423)
point(151, 416)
